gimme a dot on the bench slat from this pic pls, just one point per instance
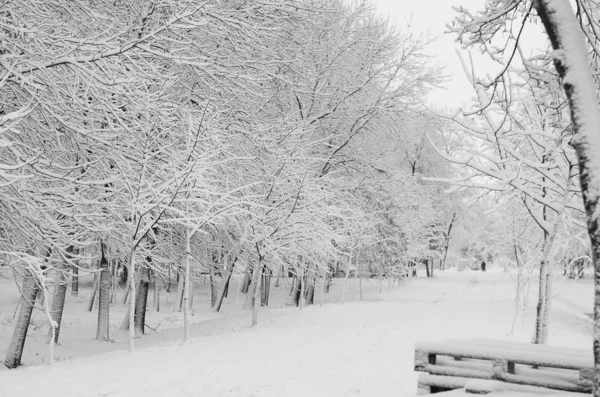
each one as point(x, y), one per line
point(541, 358)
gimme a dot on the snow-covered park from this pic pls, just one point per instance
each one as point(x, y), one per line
point(356, 348)
point(282, 197)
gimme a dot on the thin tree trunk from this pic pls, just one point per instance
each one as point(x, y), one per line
point(294, 299)
point(114, 265)
point(281, 270)
point(310, 293)
point(265, 286)
point(168, 279)
point(543, 307)
point(75, 280)
point(29, 294)
point(256, 293)
point(301, 300)
point(94, 292)
point(322, 289)
point(292, 287)
point(180, 287)
point(102, 331)
point(131, 313)
point(213, 286)
point(141, 301)
point(158, 286)
point(249, 302)
point(58, 302)
point(186, 295)
point(223, 294)
point(447, 242)
point(248, 277)
point(126, 296)
point(346, 279)
point(192, 286)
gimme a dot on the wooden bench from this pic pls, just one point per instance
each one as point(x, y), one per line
point(485, 365)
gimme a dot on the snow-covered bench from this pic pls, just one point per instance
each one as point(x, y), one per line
point(455, 364)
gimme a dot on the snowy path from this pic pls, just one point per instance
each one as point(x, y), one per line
point(360, 348)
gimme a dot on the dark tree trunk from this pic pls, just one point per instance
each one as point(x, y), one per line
point(254, 283)
point(296, 291)
point(104, 292)
point(141, 301)
point(310, 291)
point(58, 304)
point(213, 286)
point(279, 273)
point(75, 280)
point(227, 280)
point(247, 280)
point(94, 291)
point(180, 287)
point(328, 278)
point(266, 286)
point(58, 300)
point(427, 268)
point(29, 293)
point(169, 279)
point(292, 285)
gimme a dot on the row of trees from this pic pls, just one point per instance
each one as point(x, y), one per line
point(151, 136)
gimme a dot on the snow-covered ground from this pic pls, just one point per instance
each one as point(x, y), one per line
point(358, 348)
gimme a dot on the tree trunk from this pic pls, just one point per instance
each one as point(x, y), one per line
point(265, 286)
point(427, 268)
point(248, 276)
point(29, 293)
point(94, 291)
point(102, 331)
point(141, 301)
point(131, 312)
point(292, 285)
point(329, 278)
point(58, 303)
point(310, 291)
point(322, 289)
point(158, 286)
point(545, 294)
point(114, 266)
point(294, 299)
point(256, 292)
point(249, 302)
point(192, 286)
point(75, 280)
point(302, 287)
point(227, 280)
point(168, 279)
point(573, 67)
point(180, 287)
point(213, 286)
point(281, 270)
point(447, 242)
point(186, 288)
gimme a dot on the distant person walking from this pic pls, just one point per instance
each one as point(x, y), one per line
point(483, 266)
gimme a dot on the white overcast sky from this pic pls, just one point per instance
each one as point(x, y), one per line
point(433, 16)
